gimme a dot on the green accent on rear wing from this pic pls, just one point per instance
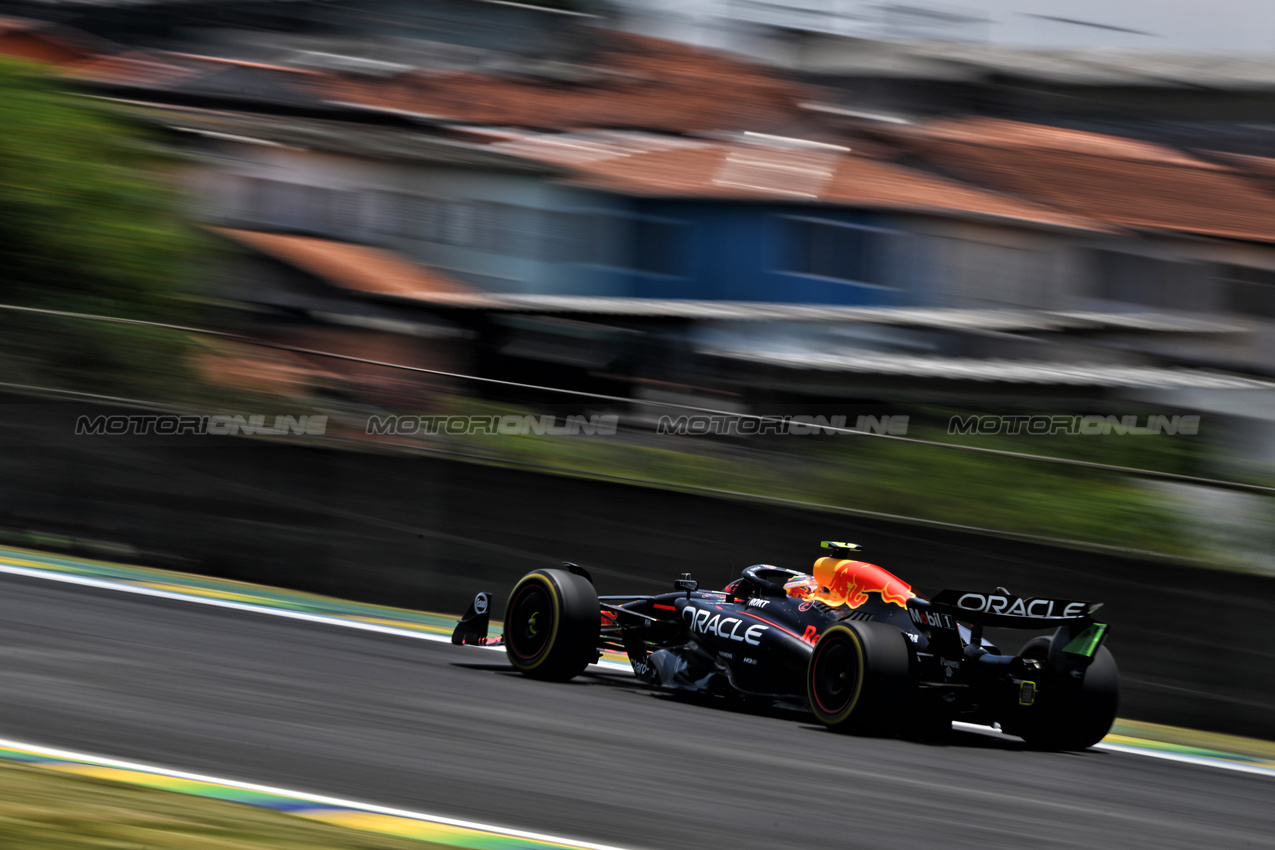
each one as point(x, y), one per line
point(1086, 643)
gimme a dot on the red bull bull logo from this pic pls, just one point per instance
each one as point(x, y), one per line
point(850, 582)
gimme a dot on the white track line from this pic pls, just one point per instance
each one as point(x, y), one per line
point(103, 584)
point(299, 795)
point(1202, 761)
point(123, 587)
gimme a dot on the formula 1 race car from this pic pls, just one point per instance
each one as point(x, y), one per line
point(849, 641)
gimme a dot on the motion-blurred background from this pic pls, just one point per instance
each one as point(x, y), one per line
point(997, 227)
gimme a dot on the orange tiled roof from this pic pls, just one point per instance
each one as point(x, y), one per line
point(633, 82)
point(1262, 165)
point(134, 68)
point(1257, 169)
point(84, 56)
point(758, 172)
point(869, 182)
point(1002, 133)
point(359, 267)
point(10, 25)
point(47, 43)
point(1127, 183)
point(202, 62)
point(165, 68)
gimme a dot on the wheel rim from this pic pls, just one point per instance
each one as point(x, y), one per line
point(835, 678)
point(530, 623)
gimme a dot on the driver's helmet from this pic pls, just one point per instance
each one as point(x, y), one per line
point(802, 587)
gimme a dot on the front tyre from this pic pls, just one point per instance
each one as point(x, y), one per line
point(857, 679)
point(551, 625)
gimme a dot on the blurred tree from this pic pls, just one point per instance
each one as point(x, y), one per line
point(86, 225)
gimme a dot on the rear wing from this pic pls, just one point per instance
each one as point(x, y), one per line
point(1073, 645)
point(1015, 612)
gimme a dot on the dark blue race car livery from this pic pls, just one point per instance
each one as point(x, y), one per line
point(848, 641)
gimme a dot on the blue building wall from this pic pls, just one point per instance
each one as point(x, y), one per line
point(522, 233)
point(756, 252)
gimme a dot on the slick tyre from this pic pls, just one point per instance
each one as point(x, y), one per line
point(551, 625)
point(1070, 716)
point(857, 679)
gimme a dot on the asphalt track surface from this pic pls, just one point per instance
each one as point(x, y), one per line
point(451, 731)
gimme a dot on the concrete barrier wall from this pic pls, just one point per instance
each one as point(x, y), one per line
point(425, 532)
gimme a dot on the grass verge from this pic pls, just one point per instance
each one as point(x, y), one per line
point(42, 809)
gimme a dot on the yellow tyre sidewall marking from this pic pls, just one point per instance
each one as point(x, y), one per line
point(547, 584)
point(840, 716)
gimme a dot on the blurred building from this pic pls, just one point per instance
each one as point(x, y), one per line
point(645, 214)
point(769, 29)
point(1190, 99)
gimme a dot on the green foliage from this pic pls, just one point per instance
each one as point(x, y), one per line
point(85, 226)
point(1007, 494)
point(890, 477)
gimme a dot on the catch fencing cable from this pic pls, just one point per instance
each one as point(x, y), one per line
point(672, 405)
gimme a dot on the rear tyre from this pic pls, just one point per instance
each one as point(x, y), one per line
point(857, 679)
point(1070, 715)
point(551, 625)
